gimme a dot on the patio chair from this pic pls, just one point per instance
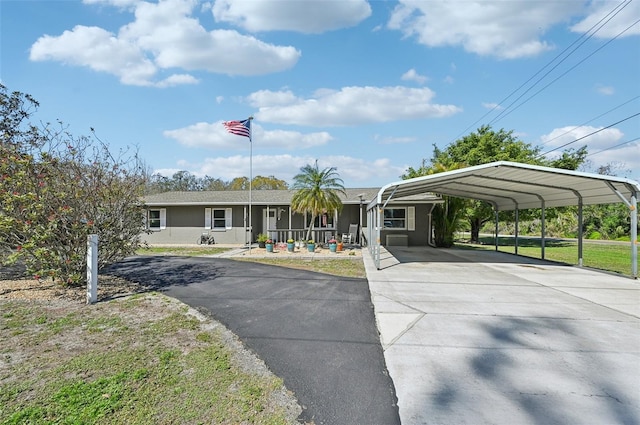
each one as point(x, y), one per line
point(350, 237)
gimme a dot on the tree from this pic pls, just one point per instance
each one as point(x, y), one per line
point(570, 159)
point(486, 145)
point(316, 192)
point(446, 215)
point(55, 189)
point(271, 183)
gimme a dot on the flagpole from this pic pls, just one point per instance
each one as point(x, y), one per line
point(250, 181)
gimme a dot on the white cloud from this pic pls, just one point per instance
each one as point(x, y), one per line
point(412, 75)
point(116, 3)
point(309, 16)
point(349, 106)
point(99, 50)
point(606, 147)
point(215, 136)
point(561, 136)
point(491, 105)
point(163, 36)
point(388, 140)
point(621, 17)
point(176, 80)
point(625, 159)
point(605, 90)
point(505, 29)
point(352, 170)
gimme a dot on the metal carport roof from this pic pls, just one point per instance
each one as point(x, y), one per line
point(510, 185)
point(514, 186)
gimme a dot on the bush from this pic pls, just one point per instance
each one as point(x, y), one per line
point(55, 189)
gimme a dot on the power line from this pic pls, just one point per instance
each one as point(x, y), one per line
point(504, 112)
point(592, 119)
point(590, 134)
point(548, 64)
point(570, 69)
point(613, 147)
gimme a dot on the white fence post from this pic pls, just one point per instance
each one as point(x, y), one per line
point(92, 269)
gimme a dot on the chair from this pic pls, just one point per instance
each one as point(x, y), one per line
point(350, 237)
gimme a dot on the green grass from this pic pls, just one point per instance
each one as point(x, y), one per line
point(113, 364)
point(608, 256)
point(180, 250)
point(345, 267)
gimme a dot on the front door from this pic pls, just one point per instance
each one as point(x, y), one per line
point(269, 222)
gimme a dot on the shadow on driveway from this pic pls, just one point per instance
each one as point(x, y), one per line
point(317, 332)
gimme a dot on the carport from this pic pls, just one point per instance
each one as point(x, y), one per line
point(510, 186)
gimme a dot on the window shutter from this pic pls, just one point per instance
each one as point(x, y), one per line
point(207, 218)
point(227, 218)
point(411, 218)
point(145, 219)
point(163, 218)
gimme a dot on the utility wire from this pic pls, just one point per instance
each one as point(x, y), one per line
point(590, 134)
point(613, 147)
point(601, 25)
point(542, 69)
point(570, 69)
point(592, 119)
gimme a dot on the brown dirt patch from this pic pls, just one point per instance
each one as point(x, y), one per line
point(109, 287)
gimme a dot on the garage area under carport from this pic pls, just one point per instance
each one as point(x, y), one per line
point(510, 186)
point(482, 337)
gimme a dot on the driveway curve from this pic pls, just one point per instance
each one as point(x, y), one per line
point(315, 331)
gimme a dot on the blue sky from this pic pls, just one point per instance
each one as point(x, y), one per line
point(366, 87)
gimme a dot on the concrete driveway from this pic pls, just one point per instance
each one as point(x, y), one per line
point(473, 337)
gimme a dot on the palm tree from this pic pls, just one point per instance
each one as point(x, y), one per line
point(316, 192)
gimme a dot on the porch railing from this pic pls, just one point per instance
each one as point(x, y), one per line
point(321, 236)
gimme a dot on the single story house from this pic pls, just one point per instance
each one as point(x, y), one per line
point(229, 216)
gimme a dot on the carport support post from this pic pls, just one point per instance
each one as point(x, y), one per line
point(92, 269)
point(516, 229)
point(378, 235)
point(497, 223)
point(634, 234)
point(542, 233)
point(580, 232)
point(633, 230)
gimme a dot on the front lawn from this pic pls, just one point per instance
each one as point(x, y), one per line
point(603, 255)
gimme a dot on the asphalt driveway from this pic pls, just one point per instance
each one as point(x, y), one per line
point(317, 332)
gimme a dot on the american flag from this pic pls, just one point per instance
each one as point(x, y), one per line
point(240, 128)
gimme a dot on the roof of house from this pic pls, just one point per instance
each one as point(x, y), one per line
point(266, 197)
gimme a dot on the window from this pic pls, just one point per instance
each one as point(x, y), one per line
point(217, 218)
point(157, 219)
point(219, 221)
point(323, 221)
point(395, 218)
